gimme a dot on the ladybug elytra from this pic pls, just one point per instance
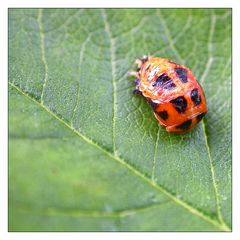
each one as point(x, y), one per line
point(173, 92)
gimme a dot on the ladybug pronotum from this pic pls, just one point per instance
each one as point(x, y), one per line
point(173, 92)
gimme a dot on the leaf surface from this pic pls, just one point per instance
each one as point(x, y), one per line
point(85, 154)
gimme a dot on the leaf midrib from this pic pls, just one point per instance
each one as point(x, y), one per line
point(132, 169)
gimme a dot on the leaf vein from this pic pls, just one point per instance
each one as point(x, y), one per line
point(220, 218)
point(206, 71)
point(82, 50)
point(42, 46)
point(155, 154)
point(210, 49)
point(113, 60)
point(170, 39)
point(187, 25)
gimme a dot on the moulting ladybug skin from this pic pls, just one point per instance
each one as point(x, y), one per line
point(173, 92)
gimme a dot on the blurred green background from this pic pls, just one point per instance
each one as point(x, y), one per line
point(85, 154)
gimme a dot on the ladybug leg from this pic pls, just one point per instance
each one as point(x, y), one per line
point(137, 81)
point(136, 90)
point(142, 60)
point(139, 63)
point(133, 73)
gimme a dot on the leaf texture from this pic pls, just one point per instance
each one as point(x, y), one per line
point(85, 154)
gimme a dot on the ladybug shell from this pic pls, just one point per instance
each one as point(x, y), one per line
point(171, 89)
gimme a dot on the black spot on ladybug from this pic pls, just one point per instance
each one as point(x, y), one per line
point(185, 125)
point(163, 115)
point(180, 104)
point(200, 116)
point(153, 104)
point(196, 98)
point(164, 82)
point(182, 74)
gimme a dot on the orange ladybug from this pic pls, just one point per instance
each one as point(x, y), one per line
point(173, 92)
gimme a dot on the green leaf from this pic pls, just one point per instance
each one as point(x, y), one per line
point(85, 154)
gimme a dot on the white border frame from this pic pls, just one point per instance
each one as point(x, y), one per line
point(4, 5)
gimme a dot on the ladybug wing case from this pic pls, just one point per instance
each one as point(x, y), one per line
point(177, 98)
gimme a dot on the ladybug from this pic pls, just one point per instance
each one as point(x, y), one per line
point(173, 92)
